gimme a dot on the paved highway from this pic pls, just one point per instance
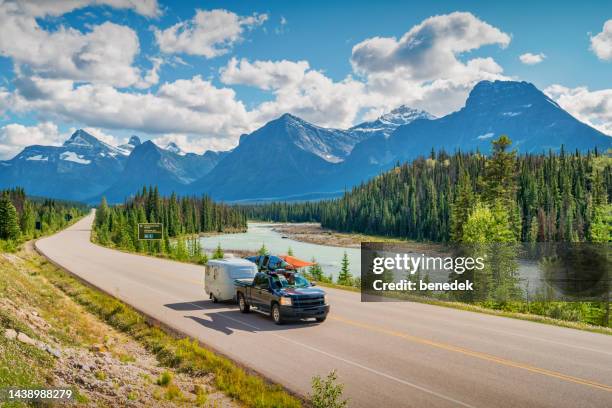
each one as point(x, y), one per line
point(386, 354)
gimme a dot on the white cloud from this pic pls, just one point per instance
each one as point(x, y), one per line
point(299, 90)
point(183, 106)
point(193, 143)
point(38, 8)
point(105, 54)
point(14, 137)
point(591, 107)
point(423, 69)
point(430, 49)
point(601, 44)
point(209, 33)
point(266, 75)
point(531, 59)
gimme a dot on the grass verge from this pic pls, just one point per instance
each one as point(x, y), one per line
point(182, 354)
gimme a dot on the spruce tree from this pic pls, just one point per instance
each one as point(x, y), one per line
point(345, 277)
point(9, 223)
point(263, 250)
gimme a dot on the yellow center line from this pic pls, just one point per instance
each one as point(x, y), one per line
point(476, 354)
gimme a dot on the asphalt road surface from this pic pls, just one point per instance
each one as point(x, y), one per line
point(386, 354)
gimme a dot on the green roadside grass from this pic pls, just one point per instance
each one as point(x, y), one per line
point(481, 309)
point(182, 354)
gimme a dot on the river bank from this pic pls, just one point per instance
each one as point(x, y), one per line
point(314, 233)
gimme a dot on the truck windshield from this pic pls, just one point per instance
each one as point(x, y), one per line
point(278, 281)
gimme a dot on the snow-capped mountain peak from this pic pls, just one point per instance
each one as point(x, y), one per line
point(131, 144)
point(390, 121)
point(174, 148)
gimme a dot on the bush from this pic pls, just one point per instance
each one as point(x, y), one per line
point(326, 393)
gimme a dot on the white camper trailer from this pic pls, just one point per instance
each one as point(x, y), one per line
point(220, 274)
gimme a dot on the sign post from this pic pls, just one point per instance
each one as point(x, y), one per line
point(151, 231)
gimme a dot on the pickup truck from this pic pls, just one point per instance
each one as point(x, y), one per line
point(272, 293)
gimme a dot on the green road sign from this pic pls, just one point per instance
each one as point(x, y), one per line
point(150, 231)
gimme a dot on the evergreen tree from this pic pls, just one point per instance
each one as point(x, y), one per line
point(315, 271)
point(102, 213)
point(9, 223)
point(263, 250)
point(345, 277)
point(218, 254)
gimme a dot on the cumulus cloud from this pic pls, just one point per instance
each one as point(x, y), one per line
point(299, 90)
point(193, 143)
point(266, 75)
point(430, 49)
point(14, 137)
point(591, 107)
point(105, 54)
point(38, 8)
point(601, 44)
point(209, 33)
point(183, 106)
point(531, 59)
point(424, 67)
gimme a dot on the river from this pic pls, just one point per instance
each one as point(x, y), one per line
point(258, 233)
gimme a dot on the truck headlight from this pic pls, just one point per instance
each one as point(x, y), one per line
point(324, 299)
point(285, 301)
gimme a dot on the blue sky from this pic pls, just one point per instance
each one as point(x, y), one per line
point(202, 73)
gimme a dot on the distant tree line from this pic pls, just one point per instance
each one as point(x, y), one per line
point(183, 219)
point(545, 197)
point(23, 218)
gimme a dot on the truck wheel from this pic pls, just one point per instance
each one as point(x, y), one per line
point(214, 299)
point(242, 304)
point(321, 319)
point(276, 314)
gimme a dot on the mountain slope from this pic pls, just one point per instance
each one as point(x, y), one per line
point(533, 121)
point(286, 157)
point(149, 164)
point(82, 167)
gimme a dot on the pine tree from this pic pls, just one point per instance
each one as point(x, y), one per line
point(345, 277)
point(9, 223)
point(102, 213)
point(289, 251)
point(315, 271)
point(218, 254)
point(263, 250)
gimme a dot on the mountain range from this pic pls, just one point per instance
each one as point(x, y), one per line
point(289, 158)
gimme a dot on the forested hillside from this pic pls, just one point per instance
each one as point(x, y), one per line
point(554, 197)
point(23, 217)
point(181, 217)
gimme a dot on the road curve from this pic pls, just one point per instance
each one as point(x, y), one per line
point(386, 354)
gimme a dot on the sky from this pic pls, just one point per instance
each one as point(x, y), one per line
point(200, 74)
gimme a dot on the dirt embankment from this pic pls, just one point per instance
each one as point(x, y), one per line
point(49, 340)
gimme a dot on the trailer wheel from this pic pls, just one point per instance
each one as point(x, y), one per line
point(242, 304)
point(276, 314)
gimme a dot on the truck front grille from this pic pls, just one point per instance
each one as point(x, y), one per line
point(307, 302)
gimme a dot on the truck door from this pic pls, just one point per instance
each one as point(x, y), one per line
point(259, 289)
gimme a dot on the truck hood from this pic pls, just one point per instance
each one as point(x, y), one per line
point(303, 292)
